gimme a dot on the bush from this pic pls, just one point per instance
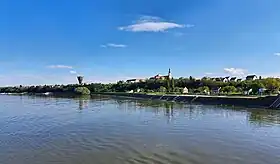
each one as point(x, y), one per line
point(203, 89)
point(162, 89)
point(82, 91)
point(229, 89)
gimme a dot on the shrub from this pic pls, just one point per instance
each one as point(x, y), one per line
point(162, 89)
point(82, 91)
point(229, 89)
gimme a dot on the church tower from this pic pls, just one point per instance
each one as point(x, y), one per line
point(169, 74)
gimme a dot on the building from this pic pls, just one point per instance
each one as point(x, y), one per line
point(185, 90)
point(233, 79)
point(251, 77)
point(222, 79)
point(135, 80)
point(218, 79)
point(158, 76)
point(226, 79)
point(216, 90)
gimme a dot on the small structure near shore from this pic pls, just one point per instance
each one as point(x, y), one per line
point(185, 90)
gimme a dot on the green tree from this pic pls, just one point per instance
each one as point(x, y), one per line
point(256, 85)
point(82, 91)
point(203, 89)
point(168, 85)
point(178, 90)
point(172, 85)
point(272, 84)
point(228, 89)
point(162, 89)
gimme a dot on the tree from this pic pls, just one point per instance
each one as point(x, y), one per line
point(228, 89)
point(82, 91)
point(162, 89)
point(271, 84)
point(168, 85)
point(178, 90)
point(256, 85)
point(172, 85)
point(203, 89)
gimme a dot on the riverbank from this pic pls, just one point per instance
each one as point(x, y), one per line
point(241, 101)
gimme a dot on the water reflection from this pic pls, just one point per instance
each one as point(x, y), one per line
point(83, 102)
point(259, 117)
point(264, 117)
point(133, 131)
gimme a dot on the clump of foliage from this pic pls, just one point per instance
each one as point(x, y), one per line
point(82, 91)
point(201, 86)
point(229, 89)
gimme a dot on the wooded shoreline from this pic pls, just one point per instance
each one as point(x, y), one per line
point(241, 101)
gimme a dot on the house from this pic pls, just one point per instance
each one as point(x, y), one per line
point(158, 76)
point(185, 90)
point(206, 78)
point(233, 79)
point(226, 79)
point(248, 91)
point(251, 77)
point(218, 79)
point(222, 79)
point(216, 90)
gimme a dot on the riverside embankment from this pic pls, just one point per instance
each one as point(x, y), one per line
point(242, 101)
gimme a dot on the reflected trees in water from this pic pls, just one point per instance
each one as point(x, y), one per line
point(264, 117)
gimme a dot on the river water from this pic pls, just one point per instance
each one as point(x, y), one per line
point(103, 130)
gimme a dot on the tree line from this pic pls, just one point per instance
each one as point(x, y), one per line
point(203, 85)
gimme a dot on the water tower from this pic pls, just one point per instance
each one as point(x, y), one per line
point(80, 79)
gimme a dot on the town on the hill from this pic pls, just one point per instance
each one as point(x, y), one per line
point(165, 84)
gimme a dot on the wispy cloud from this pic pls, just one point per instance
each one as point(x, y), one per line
point(235, 71)
point(73, 72)
point(113, 45)
point(209, 73)
point(277, 54)
point(178, 34)
point(152, 24)
point(60, 67)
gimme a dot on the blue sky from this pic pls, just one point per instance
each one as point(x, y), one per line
point(50, 41)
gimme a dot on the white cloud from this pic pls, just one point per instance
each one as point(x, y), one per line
point(209, 73)
point(152, 24)
point(114, 45)
point(277, 54)
point(235, 71)
point(73, 72)
point(60, 67)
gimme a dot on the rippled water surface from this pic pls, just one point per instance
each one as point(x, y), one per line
point(40, 130)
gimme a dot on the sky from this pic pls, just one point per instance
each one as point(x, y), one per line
point(51, 41)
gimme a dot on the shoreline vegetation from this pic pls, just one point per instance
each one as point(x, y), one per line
point(257, 93)
point(204, 86)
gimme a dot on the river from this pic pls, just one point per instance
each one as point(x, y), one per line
point(104, 130)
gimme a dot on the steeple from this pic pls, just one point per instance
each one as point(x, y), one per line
point(169, 73)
